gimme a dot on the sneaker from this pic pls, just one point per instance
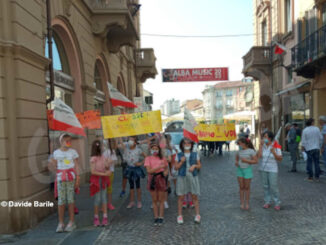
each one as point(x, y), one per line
point(105, 221)
point(266, 206)
point(96, 222)
point(160, 221)
point(310, 179)
point(110, 206)
point(277, 208)
point(191, 204)
point(60, 228)
point(130, 205)
point(184, 205)
point(180, 220)
point(76, 211)
point(139, 205)
point(197, 219)
point(70, 227)
point(156, 222)
point(122, 193)
point(166, 205)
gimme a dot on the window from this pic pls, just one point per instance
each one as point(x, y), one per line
point(219, 93)
point(62, 94)
point(229, 92)
point(323, 15)
point(264, 33)
point(288, 15)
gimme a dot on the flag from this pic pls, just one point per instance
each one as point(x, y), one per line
point(189, 126)
point(64, 119)
point(118, 99)
point(279, 49)
point(277, 137)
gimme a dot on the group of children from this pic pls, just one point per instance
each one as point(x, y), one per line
point(161, 161)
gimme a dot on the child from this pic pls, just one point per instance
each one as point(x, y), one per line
point(156, 165)
point(244, 159)
point(110, 154)
point(67, 180)
point(188, 164)
point(99, 181)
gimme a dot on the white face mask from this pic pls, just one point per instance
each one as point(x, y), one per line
point(131, 142)
point(187, 148)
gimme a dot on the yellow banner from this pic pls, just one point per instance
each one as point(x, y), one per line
point(216, 132)
point(131, 124)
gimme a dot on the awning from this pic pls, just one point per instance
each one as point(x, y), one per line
point(240, 116)
point(293, 88)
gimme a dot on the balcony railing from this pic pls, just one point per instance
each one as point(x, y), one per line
point(110, 5)
point(307, 54)
point(146, 64)
point(257, 56)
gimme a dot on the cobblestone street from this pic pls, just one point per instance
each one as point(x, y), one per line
point(301, 220)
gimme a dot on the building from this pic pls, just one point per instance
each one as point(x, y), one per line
point(170, 107)
point(291, 83)
point(94, 43)
point(226, 98)
point(191, 105)
point(145, 102)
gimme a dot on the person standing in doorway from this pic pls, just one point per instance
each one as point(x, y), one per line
point(311, 142)
point(292, 145)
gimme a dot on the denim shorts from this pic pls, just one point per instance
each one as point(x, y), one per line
point(245, 173)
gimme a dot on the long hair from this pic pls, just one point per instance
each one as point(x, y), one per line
point(96, 149)
point(182, 145)
point(247, 142)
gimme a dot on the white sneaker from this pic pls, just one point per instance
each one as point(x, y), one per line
point(60, 228)
point(197, 219)
point(166, 205)
point(180, 220)
point(70, 227)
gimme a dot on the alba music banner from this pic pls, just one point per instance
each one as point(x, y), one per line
point(131, 124)
point(196, 74)
point(216, 132)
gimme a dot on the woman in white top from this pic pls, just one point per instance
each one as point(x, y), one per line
point(270, 155)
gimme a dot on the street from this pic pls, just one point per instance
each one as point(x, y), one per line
point(300, 221)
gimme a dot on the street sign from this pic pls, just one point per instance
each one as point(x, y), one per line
point(196, 74)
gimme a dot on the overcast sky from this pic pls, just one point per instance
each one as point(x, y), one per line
point(194, 17)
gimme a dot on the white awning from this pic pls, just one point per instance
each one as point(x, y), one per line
point(241, 115)
point(292, 88)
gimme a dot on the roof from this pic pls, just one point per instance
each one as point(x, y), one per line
point(231, 84)
point(192, 104)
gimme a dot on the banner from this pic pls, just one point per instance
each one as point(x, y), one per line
point(90, 119)
point(131, 124)
point(216, 132)
point(195, 74)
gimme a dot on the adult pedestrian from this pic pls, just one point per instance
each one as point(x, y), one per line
point(322, 122)
point(292, 145)
point(311, 142)
point(270, 155)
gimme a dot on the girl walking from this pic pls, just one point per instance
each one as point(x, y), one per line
point(188, 164)
point(65, 160)
point(99, 182)
point(270, 155)
point(244, 160)
point(157, 166)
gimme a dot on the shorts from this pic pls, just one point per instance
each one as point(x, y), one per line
point(66, 192)
point(245, 173)
point(111, 183)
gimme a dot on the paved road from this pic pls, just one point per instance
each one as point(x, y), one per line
point(302, 219)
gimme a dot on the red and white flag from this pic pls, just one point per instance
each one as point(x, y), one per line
point(279, 48)
point(276, 144)
point(64, 119)
point(189, 126)
point(118, 99)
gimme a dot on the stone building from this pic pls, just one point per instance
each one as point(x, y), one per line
point(95, 42)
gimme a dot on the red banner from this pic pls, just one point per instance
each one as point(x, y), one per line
point(196, 74)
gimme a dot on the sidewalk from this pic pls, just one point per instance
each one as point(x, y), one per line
point(44, 232)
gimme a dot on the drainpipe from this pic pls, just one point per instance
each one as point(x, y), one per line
point(49, 37)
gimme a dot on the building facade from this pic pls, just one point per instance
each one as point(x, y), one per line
point(288, 85)
point(226, 98)
point(94, 43)
point(170, 107)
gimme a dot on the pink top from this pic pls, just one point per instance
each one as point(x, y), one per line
point(100, 163)
point(154, 162)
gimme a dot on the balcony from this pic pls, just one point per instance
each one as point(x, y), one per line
point(114, 20)
point(309, 55)
point(257, 62)
point(146, 64)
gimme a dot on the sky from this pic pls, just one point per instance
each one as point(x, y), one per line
point(194, 17)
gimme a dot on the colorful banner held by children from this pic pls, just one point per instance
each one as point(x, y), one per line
point(131, 124)
point(216, 132)
point(90, 119)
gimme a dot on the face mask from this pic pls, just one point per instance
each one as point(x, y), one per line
point(266, 141)
point(131, 142)
point(187, 148)
point(154, 152)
